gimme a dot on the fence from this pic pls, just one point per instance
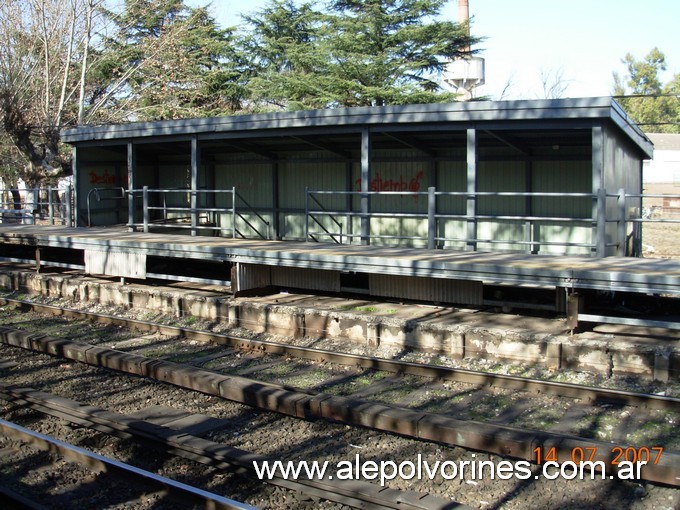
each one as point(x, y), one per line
point(180, 209)
point(610, 216)
point(50, 204)
point(599, 220)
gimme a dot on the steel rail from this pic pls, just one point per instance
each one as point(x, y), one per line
point(473, 377)
point(504, 440)
point(17, 501)
point(356, 493)
point(100, 463)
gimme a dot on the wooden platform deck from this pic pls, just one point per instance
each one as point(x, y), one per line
point(639, 275)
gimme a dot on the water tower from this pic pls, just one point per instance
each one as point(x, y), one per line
point(465, 74)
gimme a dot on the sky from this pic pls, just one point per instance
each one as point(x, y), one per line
point(581, 41)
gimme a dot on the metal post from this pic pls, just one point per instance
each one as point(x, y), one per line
point(598, 184)
point(306, 214)
point(73, 217)
point(601, 242)
point(349, 202)
point(69, 213)
point(36, 205)
point(431, 218)
point(193, 200)
point(50, 205)
point(132, 164)
point(276, 203)
point(623, 241)
point(365, 186)
point(529, 230)
point(145, 208)
point(471, 243)
point(233, 212)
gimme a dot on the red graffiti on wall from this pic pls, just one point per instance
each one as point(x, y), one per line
point(105, 178)
point(401, 184)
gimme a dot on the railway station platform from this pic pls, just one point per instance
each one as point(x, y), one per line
point(401, 274)
point(113, 251)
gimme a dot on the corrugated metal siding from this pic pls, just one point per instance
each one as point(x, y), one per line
point(453, 229)
point(250, 225)
point(250, 276)
point(501, 231)
point(621, 170)
point(562, 177)
point(101, 169)
point(436, 290)
point(452, 176)
point(401, 174)
point(308, 279)
point(398, 172)
point(253, 181)
point(293, 226)
point(319, 174)
point(554, 232)
point(339, 231)
point(501, 176)
point(403, 227)
point(130, 265)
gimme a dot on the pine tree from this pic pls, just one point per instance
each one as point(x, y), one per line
point(170, 61)
point(358, 53)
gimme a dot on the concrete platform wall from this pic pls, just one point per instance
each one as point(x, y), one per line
point(589, 352)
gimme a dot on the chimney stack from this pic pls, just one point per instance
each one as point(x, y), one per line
point(465, 73)
point(463, 11)
point(464, 17)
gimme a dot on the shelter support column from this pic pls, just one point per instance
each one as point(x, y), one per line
point(472, 158)
point(432, 205)
point(131, 170)
point(275, 201)
point(349, 200)
point(530, 230)
point(599, 210)
point(195, 164)
point(365, 186)
point(76, 209)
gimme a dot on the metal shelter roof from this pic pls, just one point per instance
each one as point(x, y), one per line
point(425, 120)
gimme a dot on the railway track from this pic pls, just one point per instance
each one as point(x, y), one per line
point(141, 479)
point(356, 494)
point(497, 438)
point(475, 378)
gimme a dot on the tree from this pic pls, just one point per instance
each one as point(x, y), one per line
point(553, 83)
point(287, 57)
point(39, 43)
point(167, 60)
point(59, 67)
point(645, 98)
point(359, 53)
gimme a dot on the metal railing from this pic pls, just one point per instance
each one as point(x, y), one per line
point(100, 195)
point(611, 216)
point(434, 219)
point(646, 216)
point(308, 216)
point(162, 211)
point(28, 206)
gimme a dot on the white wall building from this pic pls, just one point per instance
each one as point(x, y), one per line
point(665, 167)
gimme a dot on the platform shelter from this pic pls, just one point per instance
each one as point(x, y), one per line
point(539, 177)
